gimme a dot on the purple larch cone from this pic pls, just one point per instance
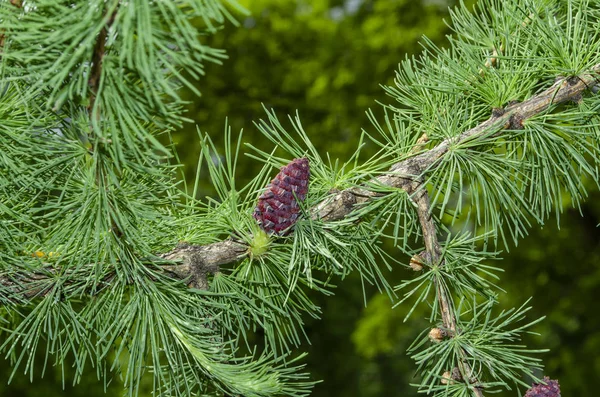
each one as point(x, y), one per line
point(550, 389)
point(277, 208)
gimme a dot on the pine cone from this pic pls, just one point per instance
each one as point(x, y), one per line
point(277, 208)
point(550, 389)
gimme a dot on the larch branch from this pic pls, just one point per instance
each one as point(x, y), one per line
point(406, 174)
point(97, 58)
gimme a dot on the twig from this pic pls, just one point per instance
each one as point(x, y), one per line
point(97, 58)
point(200, 261)
point(94, 86)
point(405, 174)
point(22, 286)
point(195, 266)
point(16, 3)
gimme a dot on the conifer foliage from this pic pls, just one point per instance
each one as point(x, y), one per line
point(106, 260)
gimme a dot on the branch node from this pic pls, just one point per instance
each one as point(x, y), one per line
point(573, 80)
point(516, 121)
point(577, 98)
point(417, 261)
point(339, 206)
point(437, 334)
point(497, 112)
point(451, 377)
point(420, 144)
point(193, 266)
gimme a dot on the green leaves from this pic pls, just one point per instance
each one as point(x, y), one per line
point(92, 198)
point(462, 271)
point(501, 181)
point(485, 354)
point(267, 291)
point(51, 44)
point(573, 48)
point(146, 43)
point(474, 175)
point(494, 175)
point(95, 200)
point(558, 151)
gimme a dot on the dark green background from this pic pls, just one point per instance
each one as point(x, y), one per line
point(327, 60)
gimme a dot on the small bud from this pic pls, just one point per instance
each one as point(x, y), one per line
point(515, 122)
point(447, 378)
point(550, 389)
point(437, 334)
point(420, 144)
point(416, 263)
point(259, 244)
point(456, 375)
point(450, 378)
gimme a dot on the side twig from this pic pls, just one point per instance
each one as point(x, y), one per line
point(16, 3)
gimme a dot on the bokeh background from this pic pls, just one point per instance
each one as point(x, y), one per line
point(326, 59)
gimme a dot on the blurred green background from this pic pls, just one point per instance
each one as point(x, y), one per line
point(327, 60)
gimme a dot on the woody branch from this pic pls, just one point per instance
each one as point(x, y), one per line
point(407, 174)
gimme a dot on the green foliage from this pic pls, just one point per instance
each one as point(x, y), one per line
point(93, 195)
point(322, 58)
point(486, 343)
point(491, 180)
point(467, 85)
point(464, 273)
point(97, 198)
point(274, 277)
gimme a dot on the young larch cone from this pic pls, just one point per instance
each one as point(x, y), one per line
point(550, 389)
point(277, 208)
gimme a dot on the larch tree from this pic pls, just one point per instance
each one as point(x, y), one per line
point(108, 259)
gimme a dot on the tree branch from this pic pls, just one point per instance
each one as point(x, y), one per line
point(97, 58)
point(511, 117)
point(16, 3)
point(198, 261)
point(407, 175)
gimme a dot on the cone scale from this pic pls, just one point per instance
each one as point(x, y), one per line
point(550, 389)
point(277, 209)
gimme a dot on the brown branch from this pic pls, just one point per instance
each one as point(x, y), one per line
point(94, 85)
point(18, 4)
point(433, 256)
point(406, 174)
point(97, 58)
point(197, 262)
point(512, 117)
point(22, 286)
